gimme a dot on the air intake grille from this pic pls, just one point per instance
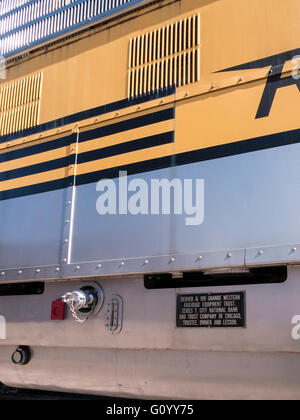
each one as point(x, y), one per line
point(167, 56)
point(26, 24)
point(20, 104)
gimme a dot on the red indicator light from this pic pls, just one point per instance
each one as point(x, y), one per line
point(58, 310)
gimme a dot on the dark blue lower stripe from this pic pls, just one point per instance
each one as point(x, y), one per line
point(200, 155)
point(58, 184)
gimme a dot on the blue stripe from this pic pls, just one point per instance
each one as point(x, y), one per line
point(38, 148)
point(201, 155)
point(38, 168)
point(118, 149)
point(138, 122)
point(90, 113)
point(115, 128)
point(127, 147)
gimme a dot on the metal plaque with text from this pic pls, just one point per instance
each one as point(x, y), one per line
point(212, 310)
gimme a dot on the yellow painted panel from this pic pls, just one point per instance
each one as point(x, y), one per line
point(230, 116)
point(92, 69)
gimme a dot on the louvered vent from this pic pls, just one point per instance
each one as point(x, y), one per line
point(26, 24)
point(165, 57)
point(20, 104)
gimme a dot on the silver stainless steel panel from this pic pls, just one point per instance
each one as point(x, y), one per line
point(111, 237)
point(251, 210)
point(250, 201)
point(31, 229)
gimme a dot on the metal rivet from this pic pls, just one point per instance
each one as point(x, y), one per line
point(66, 240)
point(69, 202)
point(3, 273)
point(172, 260)
point(200, 258)
point(229, 255)
point(78, 267)
point(260, 252)
point(293, 249)
point(122, 263)
point(57, 269)
point(146, 262)
point(67, 221)
point(99, 266)
point(20, 272)
point(38, 270)
point(65, 260)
